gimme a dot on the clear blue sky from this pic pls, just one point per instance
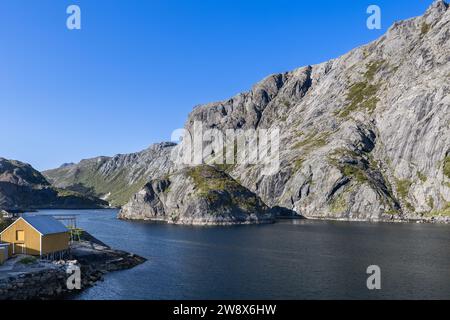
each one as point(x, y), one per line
point(137, 68)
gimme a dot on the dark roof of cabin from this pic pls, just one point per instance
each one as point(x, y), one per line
point(45, 224)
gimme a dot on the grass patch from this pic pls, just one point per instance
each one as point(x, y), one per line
point(447, 166)
point(354, 172)
point(373, 68)
point(348, 170)
point(312, 141)
point(422, 177)
point(207, 178)
point(339, 204)
point(403, 187)
point(361, 95)
point(444, 212)
point(298, 164)
point(409, 206)
point(424, 28)
point(67, 193)
point(219, 188)
point(309, 143)
point(392, 212)
point(430, 202)
point(28, 260)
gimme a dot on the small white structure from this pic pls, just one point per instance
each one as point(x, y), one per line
point(5, 214)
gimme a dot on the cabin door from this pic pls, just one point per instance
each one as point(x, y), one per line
point(20, 248)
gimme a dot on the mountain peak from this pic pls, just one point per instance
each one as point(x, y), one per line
point(438, 7)
point(65, 165)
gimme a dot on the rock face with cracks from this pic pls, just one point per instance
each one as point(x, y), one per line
point(200, 195)
point(365, 136)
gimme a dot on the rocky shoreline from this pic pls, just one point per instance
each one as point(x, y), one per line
point(47, 280)
point(427, 220)
point(203, 223)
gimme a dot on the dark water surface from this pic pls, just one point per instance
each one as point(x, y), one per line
point(287, 260)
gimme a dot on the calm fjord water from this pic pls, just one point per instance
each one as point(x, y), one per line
point(287, 260)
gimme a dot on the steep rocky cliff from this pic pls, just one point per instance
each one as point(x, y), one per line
point(24, 188)
point(365, 136)
point(114, 179)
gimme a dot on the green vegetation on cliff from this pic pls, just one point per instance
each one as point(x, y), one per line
point(217, 186)
point(447, 166)
point(424, 29)
point(114, 179)
point(362, 95)
point(24, 188)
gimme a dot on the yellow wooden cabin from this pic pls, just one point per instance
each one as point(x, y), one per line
point(37, 236)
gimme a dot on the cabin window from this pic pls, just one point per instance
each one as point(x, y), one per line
point(20, 235)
